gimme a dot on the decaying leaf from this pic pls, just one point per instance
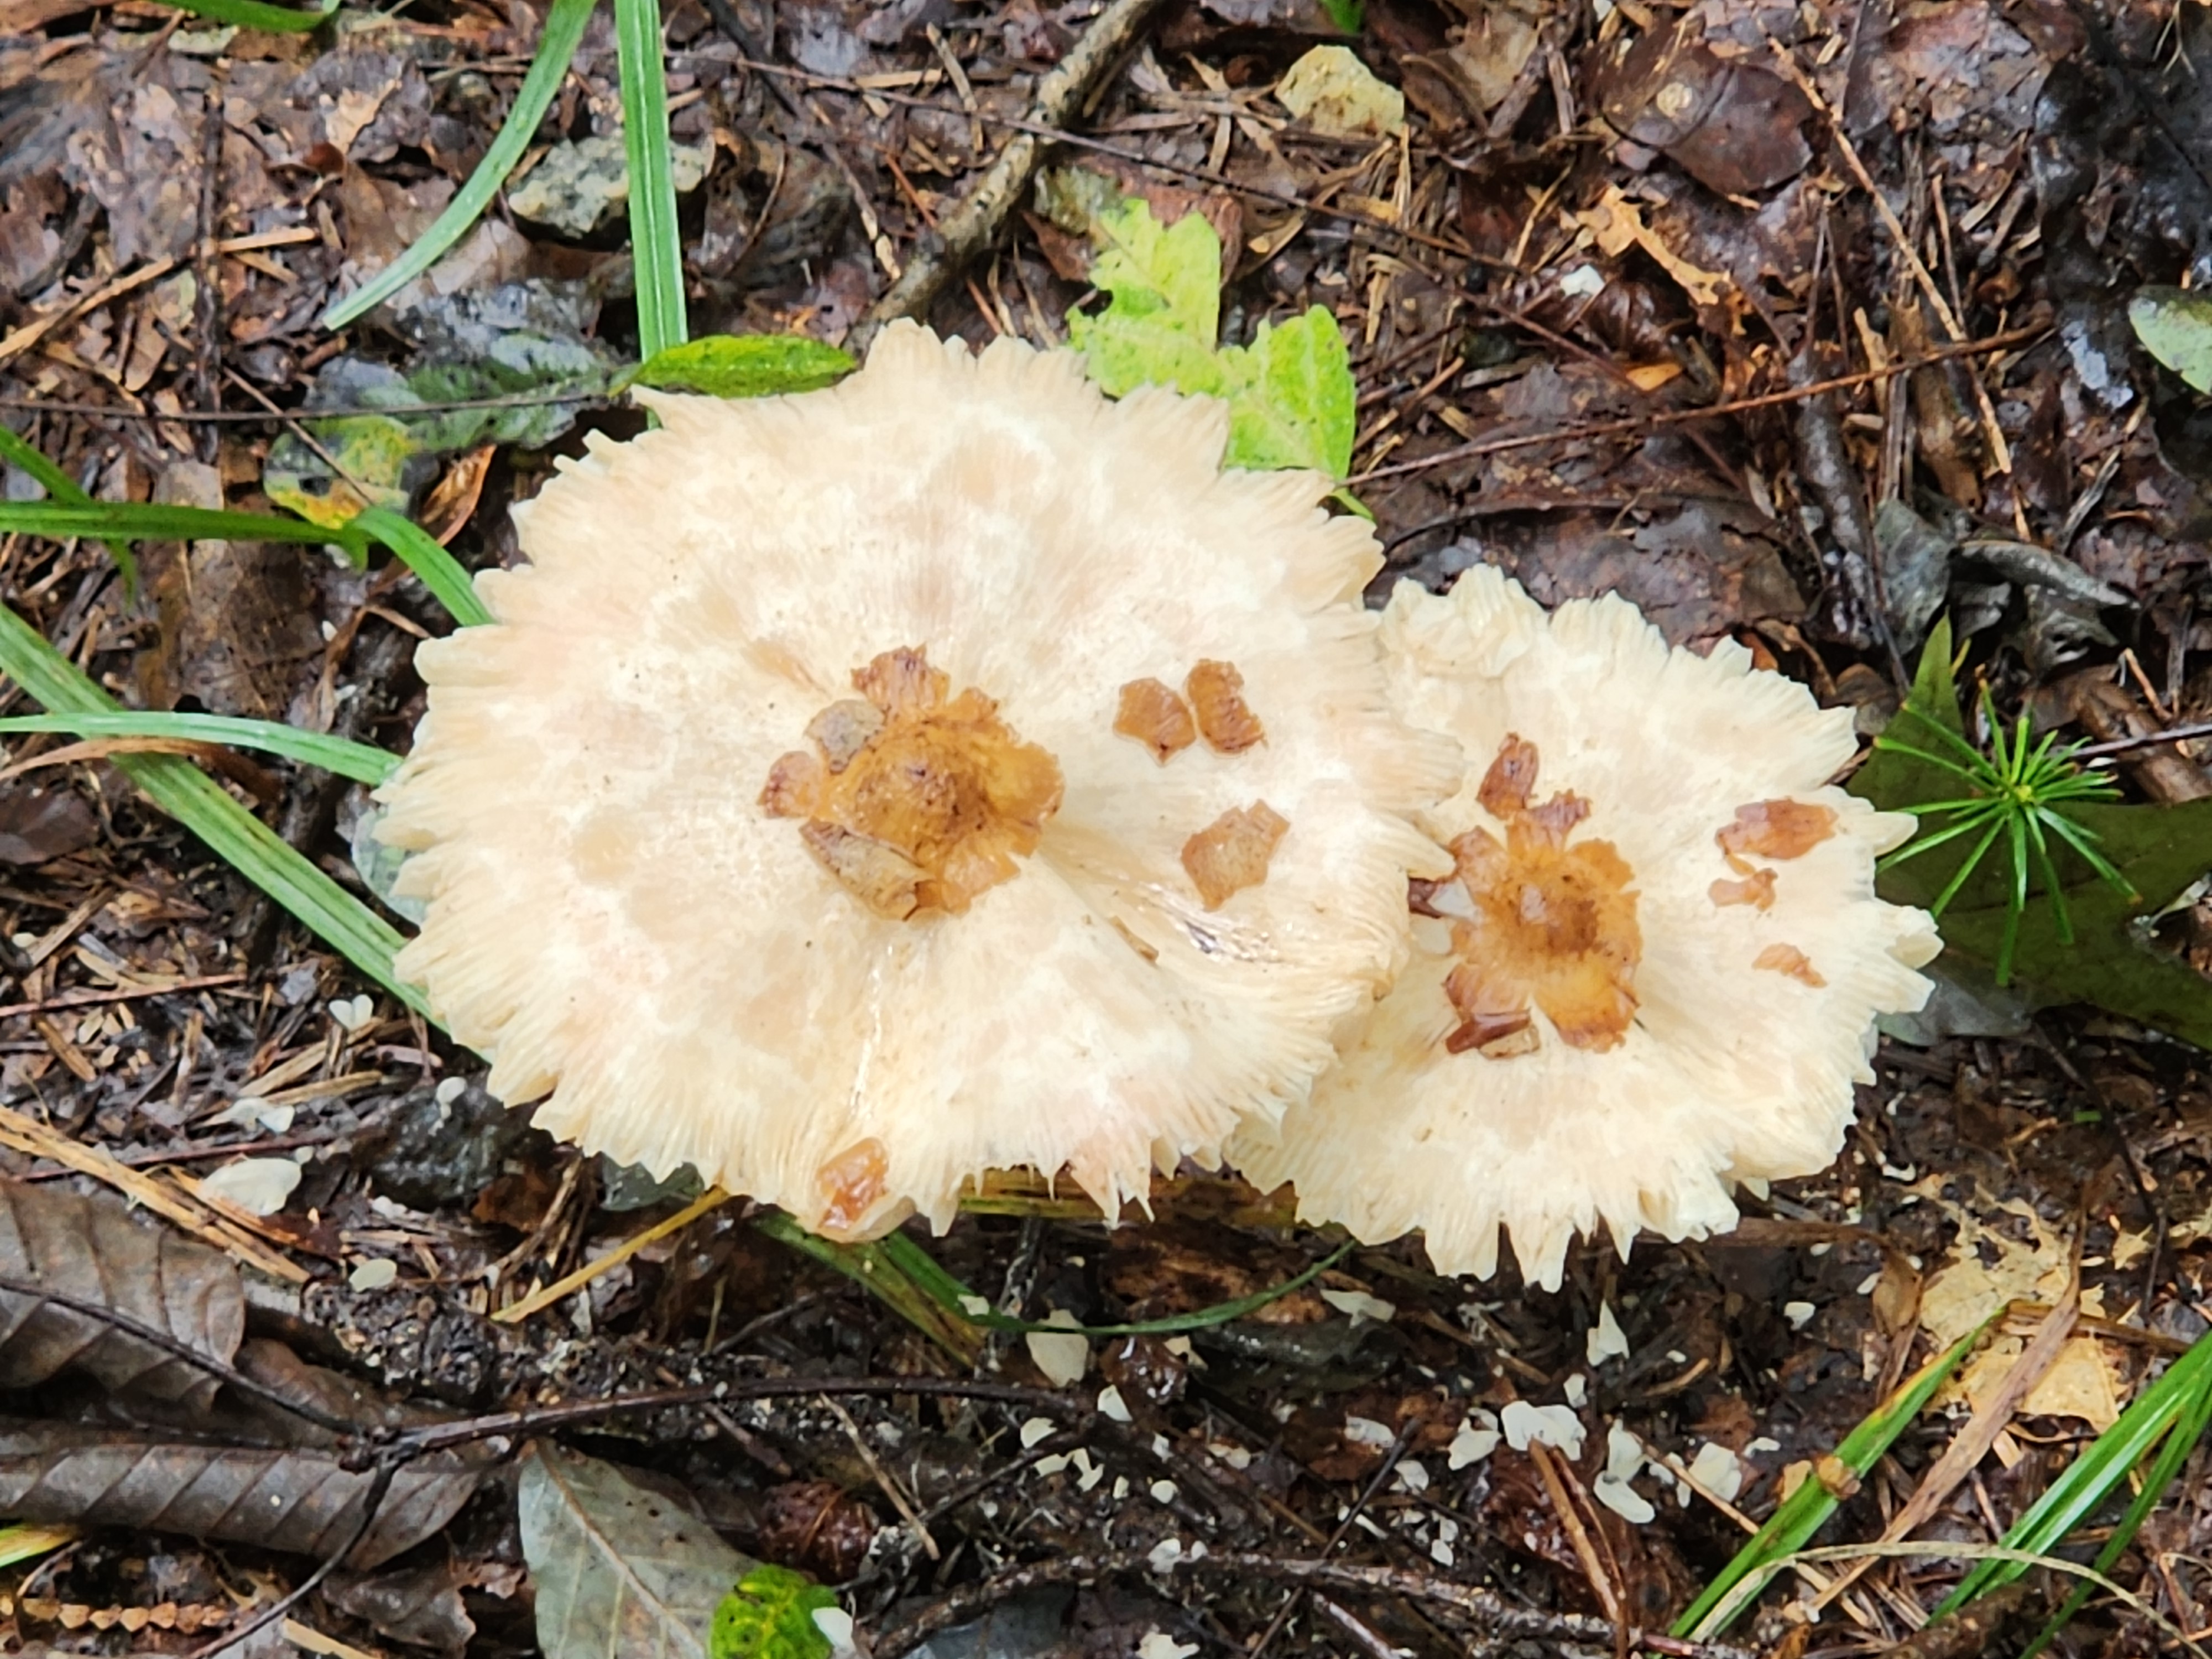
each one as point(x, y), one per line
point(1334, 94)
point(300, 1501)
point(94, 1250)
point(2112, 960)
point(1290, 394)
point(621, 1572)
point(2175, 326)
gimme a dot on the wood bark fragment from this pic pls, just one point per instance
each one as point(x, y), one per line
point(943, 254)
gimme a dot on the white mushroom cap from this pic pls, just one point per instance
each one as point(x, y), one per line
point(1707, 1069)
point(617, 921)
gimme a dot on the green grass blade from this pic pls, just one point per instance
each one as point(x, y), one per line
point(2092, 1478)
point(441, 572)
point(1805, 1511)
point(64, 489)
point(2196, 1416)
point(557, 47)
point(1974, 757)
point(363, 762)
point(254, 15)
point(132, 521)
point(197, 801)
point(877, 1271)
point(1973, 862)
point(656, 250)
point(1891, 746)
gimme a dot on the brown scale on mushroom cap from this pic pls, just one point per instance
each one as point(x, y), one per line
point(1553, 925)
point(914, 801)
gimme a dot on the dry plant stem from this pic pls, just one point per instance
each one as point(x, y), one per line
point(372, 1501)
point(1965, 1453)
point(1481, 1607)
point(976, 223)
point(156, 1337)
point(1638, 423)
point(2000, 451)
point(1350, 1519)
point(538, 1301)
point(1549, 1465)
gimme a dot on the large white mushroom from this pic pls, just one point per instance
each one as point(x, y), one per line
point(1655, 970)
point(948, 771)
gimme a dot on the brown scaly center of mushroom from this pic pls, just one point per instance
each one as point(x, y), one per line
point(914, 800)
point(1542, 924)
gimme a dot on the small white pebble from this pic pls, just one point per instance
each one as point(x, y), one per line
point(1577, 1389)
point(1366, 1432)
point(1477, 1438)
point(1583, 282)
point(1866, 1286)
point(1111, 1405)
point(1411, 1476)
point(1753, 1448)
point(974, 1306)
point(835, 1624)
point(352, 1013)
point(1799, 1313)
point(1550, 1425)
point(1159, 1644)
point(1623, 1499)
point(1121, 1487)
point(1236, 1456)
point(1718, 1470)
point(372, 1275)
point(1441, 1554)
point(1091, 1477)
point(1036, 1430)
point(1163, 1491)
point(259, 1185)
point(1178, 1346)
point(1900, 1172)
point(1360, 1305)
point(1165, 1554)
point(1062, 1356)
point(1624, 1451)
point(1446, 1528)
point(1606, 1341)
point(451, 1089)
point(1052, 1465)
point(250, 1112)
point(1160, 1447)
point(1820, 1249)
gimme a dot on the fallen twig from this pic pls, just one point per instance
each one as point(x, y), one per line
point(976, 223)
point(1480, 1606)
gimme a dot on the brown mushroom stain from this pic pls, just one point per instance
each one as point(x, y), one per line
point(1233, 852)
point(1790, 960)
point(1774, 830)
point(914, 801)
point(852, 1184)
point(1756, 889)
point(1155, 715)
point(1544, 925)
point(1226, 720)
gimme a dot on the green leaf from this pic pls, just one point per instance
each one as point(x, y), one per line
point(1807, 1510)
point(2176, 1399)
point(64, 489)
point(656, 248)
point(254, 15)
point(438, 570)
point(132, 521)
point(1292, 400)
point(1296, 406)
point(2110, 962)
point(200, 803)
point(744, 366)
point(556, 46)
point(362, 762)
point(1165, 284)
point(618, 1570)
point(1346, 14)
point(2175, 326)
point(770, 1615)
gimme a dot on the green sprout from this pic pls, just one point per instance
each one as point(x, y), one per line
point(2016, 795)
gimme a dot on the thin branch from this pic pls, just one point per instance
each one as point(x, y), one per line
point(1481, 1606)
point(982, 213)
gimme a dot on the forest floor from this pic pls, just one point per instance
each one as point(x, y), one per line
point(1589, 224)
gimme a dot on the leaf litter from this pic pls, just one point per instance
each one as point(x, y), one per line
point(1687, 249)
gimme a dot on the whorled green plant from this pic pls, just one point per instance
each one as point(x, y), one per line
point(2017, 798)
